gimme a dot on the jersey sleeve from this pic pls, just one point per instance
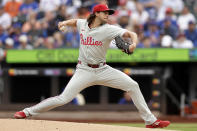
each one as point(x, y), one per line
point(80, 22)
point(114, 31)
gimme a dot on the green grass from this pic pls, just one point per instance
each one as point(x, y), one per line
point(173, 126)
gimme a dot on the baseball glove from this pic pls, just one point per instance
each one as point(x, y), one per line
point(123, 45)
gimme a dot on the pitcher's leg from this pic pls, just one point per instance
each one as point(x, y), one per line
point(117, 79)
point(80, 80)
point(141, 105)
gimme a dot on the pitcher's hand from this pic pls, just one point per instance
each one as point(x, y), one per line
point(62, 26)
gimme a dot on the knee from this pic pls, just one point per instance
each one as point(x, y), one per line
point(133, 87)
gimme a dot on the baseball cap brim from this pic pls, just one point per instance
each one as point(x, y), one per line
point(111, 12)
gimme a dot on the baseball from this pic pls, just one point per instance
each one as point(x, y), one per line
point(63, 28)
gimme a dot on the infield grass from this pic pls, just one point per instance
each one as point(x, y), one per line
point(173, 126)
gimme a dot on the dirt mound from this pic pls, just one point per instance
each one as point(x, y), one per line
point(43, 125)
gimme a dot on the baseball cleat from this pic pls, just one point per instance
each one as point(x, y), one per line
point(159, 124)
point(20, 115)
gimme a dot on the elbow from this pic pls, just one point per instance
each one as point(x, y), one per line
point(131, 35)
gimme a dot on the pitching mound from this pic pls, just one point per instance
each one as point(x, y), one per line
point(42, 125)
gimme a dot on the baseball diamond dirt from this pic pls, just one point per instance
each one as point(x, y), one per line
point(44, 125)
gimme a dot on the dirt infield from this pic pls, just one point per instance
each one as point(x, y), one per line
point(43, 125)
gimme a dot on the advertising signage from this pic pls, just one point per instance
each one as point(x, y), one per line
point(113, 55)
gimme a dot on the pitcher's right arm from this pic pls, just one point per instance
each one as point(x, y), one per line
point(71, 22)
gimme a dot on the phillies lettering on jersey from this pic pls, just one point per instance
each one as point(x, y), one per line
point(89, 41)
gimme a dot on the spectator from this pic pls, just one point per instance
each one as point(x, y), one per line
point(14, 32)
point(140, 16)
point(112, 3)
point(153, 33)
point(23, 40)
point(12, 8)
point(39, 22)
point(191, 33)
point(5, 19)
point(49, 5)
point(49, 42)
point(28, 6)
point(128, 4)
point(169, 14)
point(184, 18)
point(124, 21)
point(59, 43)
point(9, 43)
point(123, 9)
point(192, 4)
point(152, 7)
point(39, 43)
point(126, 99)
point(50, 23)
point(2, 54)
point(72, 38)
point(82, 13)
point(175, 5)
point(139, 29)
point(61, 14)
point(36, 33)
point(3, 2)
point(182, 42)
point(169, 29)
point(75, 3)
point(30, 23)
point(145, 43)
point(91, 3)
point(166, 41)
point(3, 36)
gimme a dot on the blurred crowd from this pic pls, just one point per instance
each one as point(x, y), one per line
point(32, 24)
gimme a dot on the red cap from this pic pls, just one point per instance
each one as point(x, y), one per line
point(169, 10)
point(122, 2)
point(102, 7)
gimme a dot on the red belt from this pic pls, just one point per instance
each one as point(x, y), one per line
point(92, 65)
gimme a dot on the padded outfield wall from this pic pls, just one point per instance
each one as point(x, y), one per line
point(48, 71)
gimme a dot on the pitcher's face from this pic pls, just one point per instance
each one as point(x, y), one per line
point(103, 16)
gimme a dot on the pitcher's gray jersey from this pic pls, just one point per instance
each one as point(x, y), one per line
point(95, 42)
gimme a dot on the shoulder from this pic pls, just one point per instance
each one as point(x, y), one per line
point(112, 27)
point(81, 21)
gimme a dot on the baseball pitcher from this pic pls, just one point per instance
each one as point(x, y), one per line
point(95, 38)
